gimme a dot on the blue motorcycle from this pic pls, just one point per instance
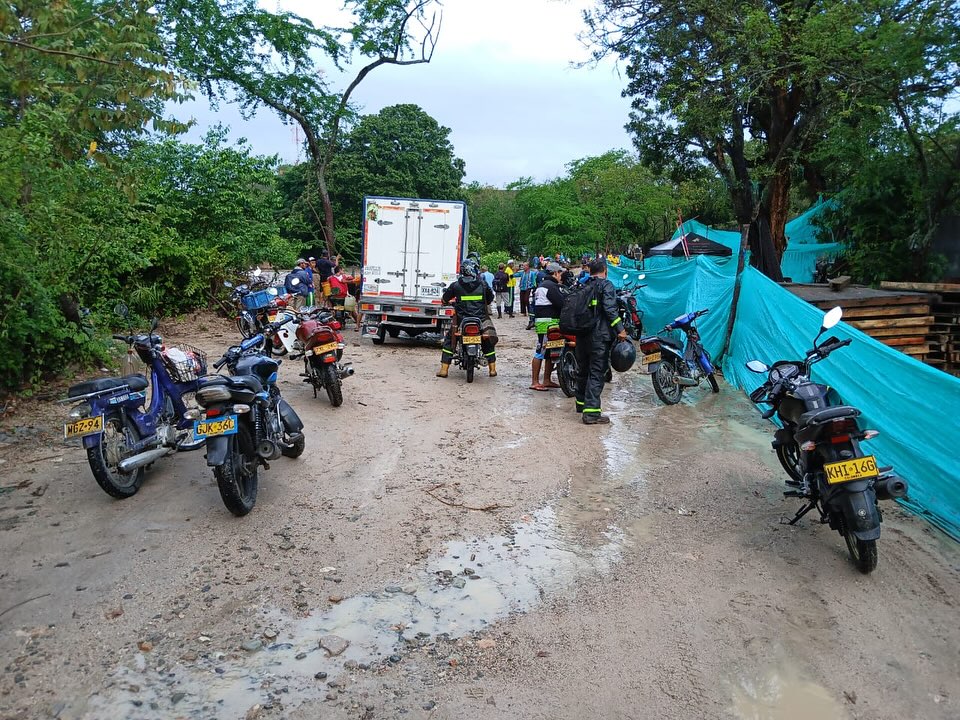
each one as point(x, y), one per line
point(120, 435)
point(245, 420)
point(673, 365)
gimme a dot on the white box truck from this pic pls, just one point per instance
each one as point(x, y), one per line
point(412, 249)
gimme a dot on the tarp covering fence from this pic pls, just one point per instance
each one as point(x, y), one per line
point(915, 407)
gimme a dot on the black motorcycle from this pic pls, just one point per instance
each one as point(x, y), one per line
point(245, 422)
point(819, 447)
point(468, 352)
point(630, 315)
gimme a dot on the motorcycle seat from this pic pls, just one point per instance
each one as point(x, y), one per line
point(135, 382)
point(671, 342)
point(241, 382)
point(816, 417)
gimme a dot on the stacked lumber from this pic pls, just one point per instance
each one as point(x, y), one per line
point(943, 333)
point(900, 319)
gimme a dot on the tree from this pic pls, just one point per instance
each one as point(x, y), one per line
point(494, 217)
point(235, 49)
point(751, 87)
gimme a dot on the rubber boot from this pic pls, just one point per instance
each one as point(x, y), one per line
point(493, 369)
point(499, 313)
point(444, 369)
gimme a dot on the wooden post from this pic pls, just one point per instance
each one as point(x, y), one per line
point(741, 260)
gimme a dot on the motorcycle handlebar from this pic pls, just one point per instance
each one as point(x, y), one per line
point(220, 363)
point(125, 338)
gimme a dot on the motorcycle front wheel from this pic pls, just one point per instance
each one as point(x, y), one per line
point(863, 553)
point(667, 390)
point(713, 382)
point(246, 325)
point(237, 478)
point(567, 373)
point(116, 443)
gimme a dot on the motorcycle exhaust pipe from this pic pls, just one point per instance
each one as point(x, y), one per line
point(890, 487)
point(268, 450)
point(686, 382)
point(346, 371)
point(145, 458)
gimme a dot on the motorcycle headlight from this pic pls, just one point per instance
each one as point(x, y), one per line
point(211, 394)
point(81, 410)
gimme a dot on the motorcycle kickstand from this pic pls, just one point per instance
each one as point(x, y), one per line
point(801, 512)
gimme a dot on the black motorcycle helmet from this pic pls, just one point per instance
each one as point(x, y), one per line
point(469, 269)
point(623, 356)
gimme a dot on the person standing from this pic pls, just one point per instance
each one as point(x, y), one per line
point(593, 348)
point(500, 289)
point(511, 286)
point(526, 284)
point(487, 276)
point(302, 287)
point(547, 303)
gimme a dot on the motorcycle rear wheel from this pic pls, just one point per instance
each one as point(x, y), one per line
point(332, 384)
point(567, 373)
point(667, 390)
point(789, 457)
point(863, 553)
point(237, 479)
point(104, 457)
point(468, 365)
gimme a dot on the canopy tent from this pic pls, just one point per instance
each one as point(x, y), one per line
point(803, 248)
point(696, 245)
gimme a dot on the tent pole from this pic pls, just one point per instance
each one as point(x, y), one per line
point(741, 258)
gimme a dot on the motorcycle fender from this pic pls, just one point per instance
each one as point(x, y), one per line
point(859, 507)
point(472, 350)
point(652, 367)
point(291, 421)
point(217, 449)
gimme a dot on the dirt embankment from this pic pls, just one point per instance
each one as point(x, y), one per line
point(639, 570)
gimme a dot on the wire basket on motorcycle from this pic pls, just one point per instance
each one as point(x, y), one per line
point(185, 363)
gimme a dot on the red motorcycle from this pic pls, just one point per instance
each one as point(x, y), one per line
point(322, 342)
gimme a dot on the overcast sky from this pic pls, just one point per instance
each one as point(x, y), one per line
point(501, 80)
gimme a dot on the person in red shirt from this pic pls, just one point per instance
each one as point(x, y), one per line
point(340, 294)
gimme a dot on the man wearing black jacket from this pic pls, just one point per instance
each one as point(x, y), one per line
point(470, 297)
point(548, 301)
point(593, 349)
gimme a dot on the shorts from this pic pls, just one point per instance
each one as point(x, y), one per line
point(543, 324)
point(501, 299)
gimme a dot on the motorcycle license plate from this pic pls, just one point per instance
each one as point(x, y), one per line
point(321, 349)
point(83, 426)
point(551, 344)
point(651, 358)
point(847, 470)
point(471, 339)
point(226, 425)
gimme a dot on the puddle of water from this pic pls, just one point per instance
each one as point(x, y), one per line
point(781, 694)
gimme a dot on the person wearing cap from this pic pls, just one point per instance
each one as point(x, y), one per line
point(303, 286)
point(511, 286)
point(547, 302)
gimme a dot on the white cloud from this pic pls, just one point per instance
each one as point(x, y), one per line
point(501, 79)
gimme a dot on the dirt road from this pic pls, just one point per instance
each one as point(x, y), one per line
point(632, 571)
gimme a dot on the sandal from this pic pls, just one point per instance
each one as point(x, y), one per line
point(541, 388)
point(550, 385)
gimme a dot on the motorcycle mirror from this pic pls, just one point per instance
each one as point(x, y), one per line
point(154, 324)
point(227, 283)
point(831, 318)
point(757, 366)
point(121, 309)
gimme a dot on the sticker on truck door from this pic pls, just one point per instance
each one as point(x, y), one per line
point(373, 211)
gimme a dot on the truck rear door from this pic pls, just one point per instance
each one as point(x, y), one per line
point(434, 263)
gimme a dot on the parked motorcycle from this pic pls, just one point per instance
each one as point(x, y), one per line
point(245, 421)
point(630, 315)
point(467, 351)
point(674, 367)
point(319, 336)
point(819, 447)
point(251, 305)
point(120, 435)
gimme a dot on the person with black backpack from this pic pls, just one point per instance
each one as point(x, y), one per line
point(591, 314)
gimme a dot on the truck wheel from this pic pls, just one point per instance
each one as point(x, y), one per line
point(381, 336)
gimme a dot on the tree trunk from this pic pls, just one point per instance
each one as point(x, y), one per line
point(777, 205)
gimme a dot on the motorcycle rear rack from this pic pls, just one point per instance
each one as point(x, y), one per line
point(119, 389)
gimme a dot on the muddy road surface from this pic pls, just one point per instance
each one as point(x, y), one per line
point(444, 550)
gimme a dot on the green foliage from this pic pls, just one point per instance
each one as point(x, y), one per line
point(492, 260)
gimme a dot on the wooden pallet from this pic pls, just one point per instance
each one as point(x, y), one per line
point(943, 336)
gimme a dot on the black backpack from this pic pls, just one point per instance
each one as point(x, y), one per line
point(578, 316)
point(500, 280)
